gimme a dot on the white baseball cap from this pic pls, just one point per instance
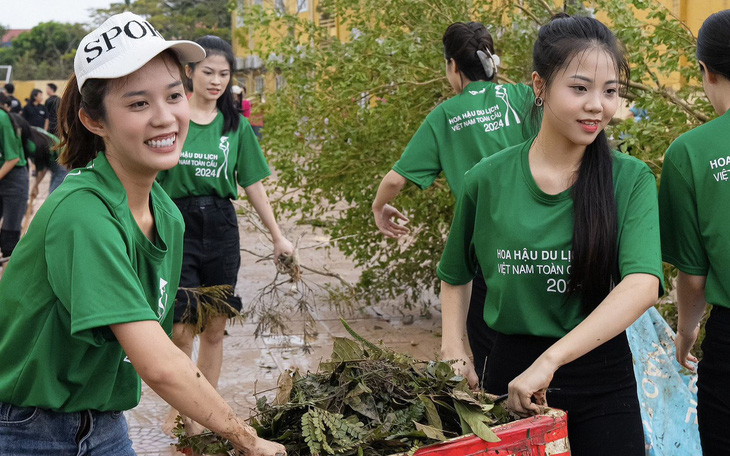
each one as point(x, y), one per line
point(123, 44)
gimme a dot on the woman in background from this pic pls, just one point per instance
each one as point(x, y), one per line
point(220, 152)
point(693, 201)
point(445, 143)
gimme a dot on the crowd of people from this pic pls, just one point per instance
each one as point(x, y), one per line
point(555, 248)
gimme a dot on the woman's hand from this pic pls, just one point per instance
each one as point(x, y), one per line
point(389, 227)
point(261, 447)
point(684, 342)
point(530, 384)
point(282, 246)
point(462, 366)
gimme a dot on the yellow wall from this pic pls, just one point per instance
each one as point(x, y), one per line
point(244, 41)
point(23, 88)
point(694, 12)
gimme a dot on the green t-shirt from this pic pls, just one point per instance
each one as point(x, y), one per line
point(480, 121)
point(211, 162)
point(694, 198)
point(83, 265)
point(11, 145)
point(522, 239)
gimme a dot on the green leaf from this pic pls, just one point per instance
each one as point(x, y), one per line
point(346, 350)
point(432, 414)
point(477, 422)
point(431, 432)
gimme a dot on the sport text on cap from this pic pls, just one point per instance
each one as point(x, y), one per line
point(123, 44)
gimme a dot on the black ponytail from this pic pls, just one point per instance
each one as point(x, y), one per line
point(42, 143)
point(461, 43)
point(713, 43)
point(594, 265)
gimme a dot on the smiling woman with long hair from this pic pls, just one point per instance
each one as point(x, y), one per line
point(566, 233)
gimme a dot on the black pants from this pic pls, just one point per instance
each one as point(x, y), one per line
point(481, 336)
point(713, 403)
point(211, 251)
point(598, 390)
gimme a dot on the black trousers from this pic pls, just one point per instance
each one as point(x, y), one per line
point(481, 336)
point(713, 403)
point(598, 390)
point(211, 251)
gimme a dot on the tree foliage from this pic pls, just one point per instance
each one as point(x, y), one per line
point(349, 109)
point(177, 19)
point(44, 52)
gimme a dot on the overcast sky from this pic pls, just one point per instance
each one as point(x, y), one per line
point(26, 14)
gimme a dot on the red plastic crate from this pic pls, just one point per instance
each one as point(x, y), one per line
point(541, 435)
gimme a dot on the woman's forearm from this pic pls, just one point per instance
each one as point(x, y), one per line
point(256, 194)
point(454, 310)
point(691, 301)
point(7, 167)
point(389, 188)
point(635, 294)
point(174, 377)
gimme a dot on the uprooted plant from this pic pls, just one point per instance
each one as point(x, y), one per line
point(290, 292)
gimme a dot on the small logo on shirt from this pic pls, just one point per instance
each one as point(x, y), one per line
point(501, 93)
point(162, 302)
point(225, 147)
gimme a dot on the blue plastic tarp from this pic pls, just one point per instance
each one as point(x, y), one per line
point(667, 392)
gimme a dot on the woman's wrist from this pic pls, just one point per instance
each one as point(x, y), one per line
point(550, 359)
point(453, 350)
point(243, 436)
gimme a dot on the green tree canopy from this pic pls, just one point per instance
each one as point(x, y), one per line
point(177, 19)
point(349, 108)
point(44, 52)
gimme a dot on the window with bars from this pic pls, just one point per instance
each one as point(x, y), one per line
point(280, 81)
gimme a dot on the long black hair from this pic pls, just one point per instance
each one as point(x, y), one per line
point(43, 143)
point(713, 43)
point(461, 43)
point(214, 45)
point(33, 93)
point(594, 264)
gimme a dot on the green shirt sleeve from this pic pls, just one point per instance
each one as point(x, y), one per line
point(638, 237)
point(89, 267)
point(420, 161)
point(8, 139)
point(458, 263)
point(251, 166)
point(681, 236)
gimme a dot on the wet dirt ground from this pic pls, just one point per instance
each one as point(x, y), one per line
point(252, 365)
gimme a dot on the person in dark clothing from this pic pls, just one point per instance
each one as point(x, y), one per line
point(35, 111)
point(52, 107)
point(15, 105)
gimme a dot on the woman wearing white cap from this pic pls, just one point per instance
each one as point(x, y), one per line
point(103, 256)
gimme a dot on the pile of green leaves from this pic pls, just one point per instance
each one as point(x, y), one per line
point(367, 400)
